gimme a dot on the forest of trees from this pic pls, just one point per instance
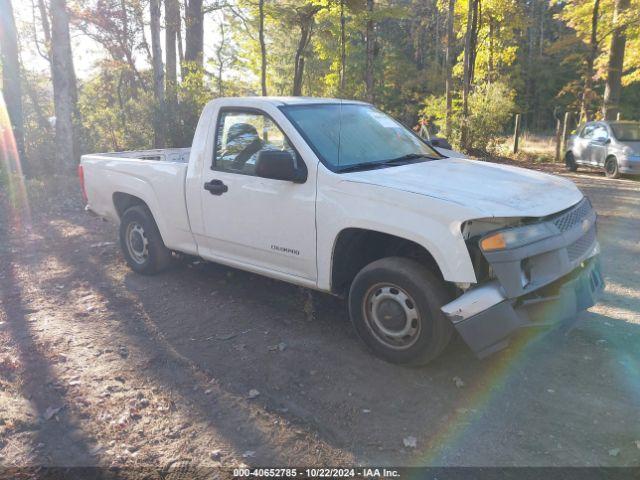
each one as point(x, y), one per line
point(465, 66)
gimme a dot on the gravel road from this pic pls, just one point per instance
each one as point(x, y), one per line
point(207, 365)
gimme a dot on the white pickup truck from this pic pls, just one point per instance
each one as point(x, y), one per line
point(337, 196)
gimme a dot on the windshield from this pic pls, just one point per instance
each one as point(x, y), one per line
point(348, 135)
point(626, 132)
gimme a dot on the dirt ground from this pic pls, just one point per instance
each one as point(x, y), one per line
point(207, 365)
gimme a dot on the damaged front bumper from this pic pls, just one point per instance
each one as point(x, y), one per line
point(562, 279)
point(485, 318)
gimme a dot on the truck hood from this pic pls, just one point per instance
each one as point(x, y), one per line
point(493, 190)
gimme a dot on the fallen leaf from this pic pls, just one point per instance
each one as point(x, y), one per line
point(101, 244)
point(410, 442)
point(227, 337)
point(457, 381)
point(253, 393)
point(50, 412)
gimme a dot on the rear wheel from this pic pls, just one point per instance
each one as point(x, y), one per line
point(611, 169)
point(570, 162)
point(394, 304)
point(141, 242)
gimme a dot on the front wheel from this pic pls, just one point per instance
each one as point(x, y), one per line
point(141, 242)
point(394, 304)
point(611, 169)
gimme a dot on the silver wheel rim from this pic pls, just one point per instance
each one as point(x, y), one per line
point(392, 316)
point(137, 243)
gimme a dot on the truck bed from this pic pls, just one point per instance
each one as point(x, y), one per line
point(175, 155)
point(157, 177)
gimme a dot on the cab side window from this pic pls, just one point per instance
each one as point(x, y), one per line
point(241, 135)
point(600, 133)
point(587, 131)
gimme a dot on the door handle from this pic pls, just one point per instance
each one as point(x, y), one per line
point(216, 187)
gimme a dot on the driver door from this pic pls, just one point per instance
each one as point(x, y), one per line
point(582, 146)
point(598, 146)
point(262, 224)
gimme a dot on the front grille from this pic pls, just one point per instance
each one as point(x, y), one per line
point(567, 220)
point(581, 246)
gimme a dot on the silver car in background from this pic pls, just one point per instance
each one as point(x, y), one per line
point(611, 146)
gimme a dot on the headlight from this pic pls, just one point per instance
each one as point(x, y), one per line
point(516, 237)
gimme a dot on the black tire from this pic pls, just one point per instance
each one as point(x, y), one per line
point(570, 162)
point(141, 243)
point(426, 294)
point(611, 168)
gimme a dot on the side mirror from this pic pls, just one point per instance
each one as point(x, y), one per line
point(439, 142)
point(280, 165)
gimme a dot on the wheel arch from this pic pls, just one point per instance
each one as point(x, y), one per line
point(354, 248)
point(123, 201)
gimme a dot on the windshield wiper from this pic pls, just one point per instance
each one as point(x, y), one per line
point(406, 158)
point(384, 163)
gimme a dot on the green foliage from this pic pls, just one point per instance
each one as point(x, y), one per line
point(39, 136)
point(530, 58)
point(116, 112)
point(491, 108)
point(193, 95)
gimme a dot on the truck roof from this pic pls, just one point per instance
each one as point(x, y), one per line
point(279, 101)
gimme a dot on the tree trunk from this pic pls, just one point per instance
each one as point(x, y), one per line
point(306, 19)
point(263, 49)
point(11, 84)
point(194, 43)
point(298, 72)
point(343, 49)
point(172, 17)
point(220, 57)
point(158, 75)
point(587, 94)
point(530, 76)
point(180, 46)
point(475, 26)
point(370, 47)
point(436, 36)
point(613, 87)
point(449, 67)
point(490, 63)
point(128, 49)
point(46, 29)
point(65, 94)
point(466, 77)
